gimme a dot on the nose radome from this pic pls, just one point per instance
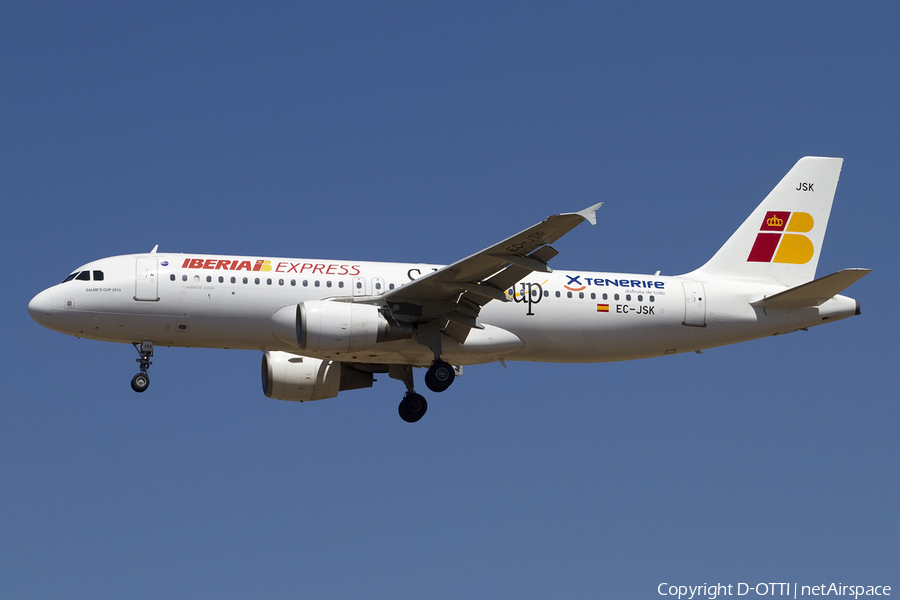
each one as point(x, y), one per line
point(40, 308)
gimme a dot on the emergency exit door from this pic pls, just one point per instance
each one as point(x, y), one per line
point(694, 304)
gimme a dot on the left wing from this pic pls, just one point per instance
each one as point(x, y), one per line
point(452, 296)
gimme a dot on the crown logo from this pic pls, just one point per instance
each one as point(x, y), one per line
point(774, 221)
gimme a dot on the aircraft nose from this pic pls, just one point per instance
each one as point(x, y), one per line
point(40, 308)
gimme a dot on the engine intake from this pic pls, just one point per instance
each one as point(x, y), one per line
point(287, 376)
point(326, 326)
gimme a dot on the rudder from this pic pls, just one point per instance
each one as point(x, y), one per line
point(782, 239)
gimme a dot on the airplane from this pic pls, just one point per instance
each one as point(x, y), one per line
point(327, 326)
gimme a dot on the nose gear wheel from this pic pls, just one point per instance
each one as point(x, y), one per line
point(141, 381)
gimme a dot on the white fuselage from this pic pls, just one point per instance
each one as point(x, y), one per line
point(217, 301)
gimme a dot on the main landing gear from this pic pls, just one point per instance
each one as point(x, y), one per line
point(438, 378)
point(141, 381)
point(412, 407)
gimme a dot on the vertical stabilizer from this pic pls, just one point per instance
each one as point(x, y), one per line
point(782, 239)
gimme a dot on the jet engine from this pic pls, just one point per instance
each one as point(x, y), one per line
point(287, 376)
point(324, 326)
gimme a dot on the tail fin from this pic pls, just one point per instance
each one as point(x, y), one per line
point(782, 239)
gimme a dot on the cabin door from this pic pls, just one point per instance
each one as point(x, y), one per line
point(146, 285)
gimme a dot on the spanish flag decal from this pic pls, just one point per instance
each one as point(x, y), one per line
point(603, 308)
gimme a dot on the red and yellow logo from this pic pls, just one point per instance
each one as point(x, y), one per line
point(780, 238)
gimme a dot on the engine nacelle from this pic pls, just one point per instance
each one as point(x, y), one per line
point(287, 376)
point(324, 326)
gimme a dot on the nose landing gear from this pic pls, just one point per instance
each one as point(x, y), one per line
point(141, 381)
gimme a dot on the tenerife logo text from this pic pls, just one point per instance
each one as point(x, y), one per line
point(575, 283)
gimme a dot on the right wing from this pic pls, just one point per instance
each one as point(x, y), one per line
point(453, 296)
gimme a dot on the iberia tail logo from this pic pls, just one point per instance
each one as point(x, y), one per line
point(780, 238)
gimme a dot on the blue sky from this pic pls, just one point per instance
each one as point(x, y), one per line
point(425, 132)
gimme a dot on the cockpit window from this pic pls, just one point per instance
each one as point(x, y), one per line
point(84, 276)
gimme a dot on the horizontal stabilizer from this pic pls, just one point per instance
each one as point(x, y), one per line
point(814, 293)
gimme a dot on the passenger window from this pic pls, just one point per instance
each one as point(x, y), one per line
point(359, 285)
point(378, 286)
point(616, 296)
point(652, 299)
point(294, 282)
point(557, 294)
point(184, 277)
point(546, 294)
point(640, 298)
point(84, 276)
point(98, 275)
point(268, 282)
point(233, 280)
point(245, 280)
point(209, 279)
point(172, 277)
point(327, 284)
point(305, 283)
point(593, 296)
point(221, 279)
point(317, 283)
point(628, 296)
point(605, 296)
point(256, 281)
point(581, 294)
point(391, 286)
point(281, 282)
point(568, 294)
point(340, 284)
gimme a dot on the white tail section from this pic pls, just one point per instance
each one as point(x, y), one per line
point(782, 239)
